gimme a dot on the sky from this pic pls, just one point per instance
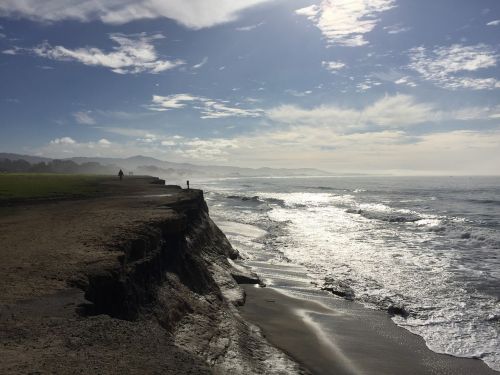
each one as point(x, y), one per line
point(347, 86)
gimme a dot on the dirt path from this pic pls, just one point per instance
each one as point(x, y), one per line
point(45, 245)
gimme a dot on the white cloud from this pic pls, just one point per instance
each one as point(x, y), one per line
point(194, 14)
point(316, 145)
point(67, 147)
point(390, 111)
point(176, 147)
point(201, 63)
point(333, 66)
point(168, 143)
point(250, 27)
point(367, 84)
point(84, 118)
point(345, 22)
point(134, 54)
point(207, 149)
point(455, 152)
point(127, 132)
point(208, 108)
point(104, 142)
point(396, 29)
point(12, 51)
point(298, 94)
point(165, 103)
point(63, 141)
point(493, 23)
point(405, 81)
point(212, 109)
point(445, 65)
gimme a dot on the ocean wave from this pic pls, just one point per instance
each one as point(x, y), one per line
point(245, 198)
point(485, 201)
point(327, 188)
point(387, 216)
point(257, 199)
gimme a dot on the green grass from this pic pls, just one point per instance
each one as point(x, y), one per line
point(27, 186)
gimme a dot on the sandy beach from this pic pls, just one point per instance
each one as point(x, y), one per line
point(344, 338)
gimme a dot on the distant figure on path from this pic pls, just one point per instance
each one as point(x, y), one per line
point(187, 183)
point(120, 174)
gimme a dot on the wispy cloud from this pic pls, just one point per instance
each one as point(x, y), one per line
point(406, 80)
point(84, 118)
point(249, 27)
point(445, 65)
point(63, 141)
point(201, 63)
point(165, 103)
point(12, 51)
point(192, 14)
point(333, 66)
point(389, 111)
point(459, 151)
point(298, 93)
point(209, 108)
point(206, 149)
point(396, 29)
point(493, 23)
point(103, 142)
point(133, 54)
point(367, 84)
point(175, 146)
point(345, 22)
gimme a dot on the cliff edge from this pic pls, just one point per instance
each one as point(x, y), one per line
point(136, 281)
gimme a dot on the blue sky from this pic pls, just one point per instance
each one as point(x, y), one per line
point(398, 86)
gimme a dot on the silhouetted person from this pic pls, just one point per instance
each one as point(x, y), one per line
point(120, 174)
point(187, 183)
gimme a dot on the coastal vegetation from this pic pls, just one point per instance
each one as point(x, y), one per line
point(21, 186)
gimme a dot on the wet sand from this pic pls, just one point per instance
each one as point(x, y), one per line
point(346, 338)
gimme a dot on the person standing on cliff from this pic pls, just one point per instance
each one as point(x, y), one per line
point(187, 183)
point(120, 174)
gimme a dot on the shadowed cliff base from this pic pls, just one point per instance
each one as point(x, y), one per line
point(133, 280)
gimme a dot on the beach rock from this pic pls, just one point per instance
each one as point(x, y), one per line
point(243, 275)
point(338, 288)
point(398, 310)
point(245, 279)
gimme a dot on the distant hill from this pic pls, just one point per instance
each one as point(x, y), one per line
point(147, 165)
point(30, 159)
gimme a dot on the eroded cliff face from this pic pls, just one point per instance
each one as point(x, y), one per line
point(138, 282)
point(176, 271)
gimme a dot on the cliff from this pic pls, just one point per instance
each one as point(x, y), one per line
point(140, 282)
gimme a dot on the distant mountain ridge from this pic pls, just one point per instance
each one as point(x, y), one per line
point(29, 158)
point(147, 165)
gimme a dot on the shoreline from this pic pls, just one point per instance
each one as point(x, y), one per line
point(358, 340)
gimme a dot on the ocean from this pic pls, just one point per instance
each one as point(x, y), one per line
point(425, 249)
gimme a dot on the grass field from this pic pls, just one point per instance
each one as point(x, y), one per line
point(17, 186)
